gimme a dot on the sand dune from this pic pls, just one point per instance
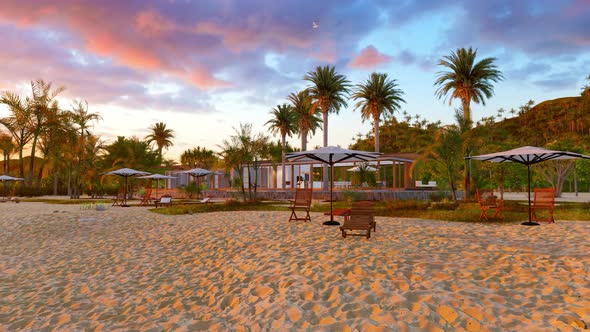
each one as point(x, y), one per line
point(68, 268)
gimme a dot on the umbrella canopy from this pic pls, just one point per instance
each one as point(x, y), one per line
point(528, 155)
point(126, 173)
point(9, 178)
point(197, 172)
point(357, 168)
point(157, 177)
point(331, 155)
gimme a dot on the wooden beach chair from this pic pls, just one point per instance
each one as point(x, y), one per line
point(302, 203)
point(119, 200)
point(544, 200)
point(147, 198)
point(361, 218)
point(163, 201)
point(488, 201)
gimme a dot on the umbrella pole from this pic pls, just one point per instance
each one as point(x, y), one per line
point(331, 222)
point(530, 222)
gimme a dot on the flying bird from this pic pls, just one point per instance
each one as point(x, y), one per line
point(315, 24)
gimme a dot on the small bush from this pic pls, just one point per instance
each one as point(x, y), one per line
point(438, 196)
point(351, 196)
point(446, 205)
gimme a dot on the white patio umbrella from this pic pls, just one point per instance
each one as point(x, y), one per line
point(4, 178)
point(528, 155)
point(197, 172)
point(331, 155)
point(126, 173)
point(357, 168)
point(157, 177)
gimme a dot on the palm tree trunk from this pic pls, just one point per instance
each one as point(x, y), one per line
point(325, 167)
point(303, 140)
point(32, 161)
point(283, 143)
point(376, 133)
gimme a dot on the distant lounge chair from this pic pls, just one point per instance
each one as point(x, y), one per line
point(488, 201)
point(163, 201)
point(147, 198)
point(205, 200)
point(544, 201)
point(302, 203)
point(361, 218)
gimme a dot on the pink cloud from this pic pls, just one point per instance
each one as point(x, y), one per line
point(369, 58)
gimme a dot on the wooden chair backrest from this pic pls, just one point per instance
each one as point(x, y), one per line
point(485, 196)
point(302, 197)
point(362, 212)
point(148, 193)
point(544, 197)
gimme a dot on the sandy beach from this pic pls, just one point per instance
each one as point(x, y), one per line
point(67, 268)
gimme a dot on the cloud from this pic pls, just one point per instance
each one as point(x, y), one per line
point(369, 58)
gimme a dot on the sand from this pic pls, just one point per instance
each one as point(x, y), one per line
point(67, 268)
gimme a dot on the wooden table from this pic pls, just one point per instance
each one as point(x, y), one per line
point(340, 212)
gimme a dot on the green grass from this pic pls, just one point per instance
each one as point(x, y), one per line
point(465, 212)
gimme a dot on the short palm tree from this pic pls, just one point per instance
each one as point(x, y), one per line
point(283, 122)
point(467, 80)
point(307, 118)
point(377, 96)
point(161, 135)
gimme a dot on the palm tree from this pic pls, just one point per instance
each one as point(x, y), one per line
point(42, 105)
point(161, 136)
point(328, 90)
point(377, 96)
point(467, 80)
point(7, 147)
point(307, 117)
point(283, 122)
point(17, 124)
point(81, 118)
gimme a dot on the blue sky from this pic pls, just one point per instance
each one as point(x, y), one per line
point(204, 67)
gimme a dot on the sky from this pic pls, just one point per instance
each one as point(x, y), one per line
point(204, 67)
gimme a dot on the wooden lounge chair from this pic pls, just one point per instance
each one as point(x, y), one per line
point(488, 201)
point(302, 203)
point(147, 198)
point(361, 218)
point(544, 200)
point(163, 201)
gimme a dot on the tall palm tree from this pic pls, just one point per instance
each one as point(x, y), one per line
point(376, 97)
point(282, 122)
point(328, 90)
point(467, 80)
point(307, 117)
point(81, 119)
point(43, 104)
point(161, 136)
